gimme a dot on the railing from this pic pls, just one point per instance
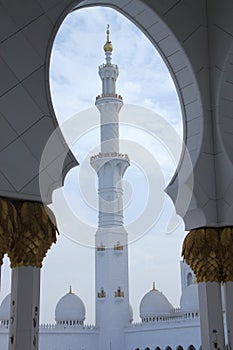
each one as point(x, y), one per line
point(175, 316)
point(109, 155)
point(109, 95)
point(108, 65)
point(57, 326)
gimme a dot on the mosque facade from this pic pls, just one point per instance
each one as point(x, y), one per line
point(162, 327)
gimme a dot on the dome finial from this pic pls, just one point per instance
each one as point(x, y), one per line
point(108, 45)
point(153, 288)
point(70, 291)
point(108, 32)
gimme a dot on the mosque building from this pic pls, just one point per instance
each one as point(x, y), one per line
point(162, 326)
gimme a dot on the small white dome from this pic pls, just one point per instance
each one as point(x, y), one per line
point(70, 308)
point(154, 303)
point(189, 300)
point(5, 308)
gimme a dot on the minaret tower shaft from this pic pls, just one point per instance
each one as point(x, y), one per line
point(111, 261)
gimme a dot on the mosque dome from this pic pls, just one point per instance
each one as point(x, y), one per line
point(189, 300)
point(5, 308)
point(70, 310)
point(154, 303)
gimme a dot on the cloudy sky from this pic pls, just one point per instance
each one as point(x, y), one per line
point(151, 127)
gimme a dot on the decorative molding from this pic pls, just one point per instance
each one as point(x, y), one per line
point(100, 248)
point(101, 155)
point(119, 293)
point(101, 294)
point(118, 247)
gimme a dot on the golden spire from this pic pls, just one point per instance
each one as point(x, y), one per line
point(70, 291)
point(153, 286)
point(108, 45)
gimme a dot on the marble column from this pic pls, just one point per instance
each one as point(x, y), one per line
point(229, 312)
point(25, 300)
point(211, 316)
point(208, 252)
point(34, 235)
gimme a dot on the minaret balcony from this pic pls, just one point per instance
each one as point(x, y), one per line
point(101, 155)
point(109, 95)
point(108, 65)
point(100, 160)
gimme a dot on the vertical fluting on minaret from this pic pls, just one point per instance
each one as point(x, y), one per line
point(109, 164)
point(112, 292)
point(109, 103)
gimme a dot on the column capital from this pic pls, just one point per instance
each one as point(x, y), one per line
point(35, 235)
point(208, 251)
point(8, 225)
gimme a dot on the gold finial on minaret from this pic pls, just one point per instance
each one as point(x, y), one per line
point(108, 45)
point(153, 286)
point(70, 291)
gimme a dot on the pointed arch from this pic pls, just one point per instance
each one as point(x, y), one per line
point(189, 279)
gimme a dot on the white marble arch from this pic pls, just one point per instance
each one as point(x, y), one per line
point(195, 42)
point(154, 20)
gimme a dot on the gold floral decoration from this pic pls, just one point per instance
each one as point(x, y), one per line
point(208, 251)
point(36, 233)
point(8, 225)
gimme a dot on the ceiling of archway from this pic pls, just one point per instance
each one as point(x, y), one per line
point(26, 114)
point(192, 36)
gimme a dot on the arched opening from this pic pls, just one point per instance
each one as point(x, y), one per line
point(139, 21)
point(189, 279)
point(191, 347)
point(168, 348)
point(157, 348)
point(152, 34)
point(69, 77)
point(180, 348)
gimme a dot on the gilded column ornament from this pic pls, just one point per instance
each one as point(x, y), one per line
point(8, 225)
point(209, 251)
point(36, 233)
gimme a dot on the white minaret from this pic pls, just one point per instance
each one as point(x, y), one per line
point(111, 262)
